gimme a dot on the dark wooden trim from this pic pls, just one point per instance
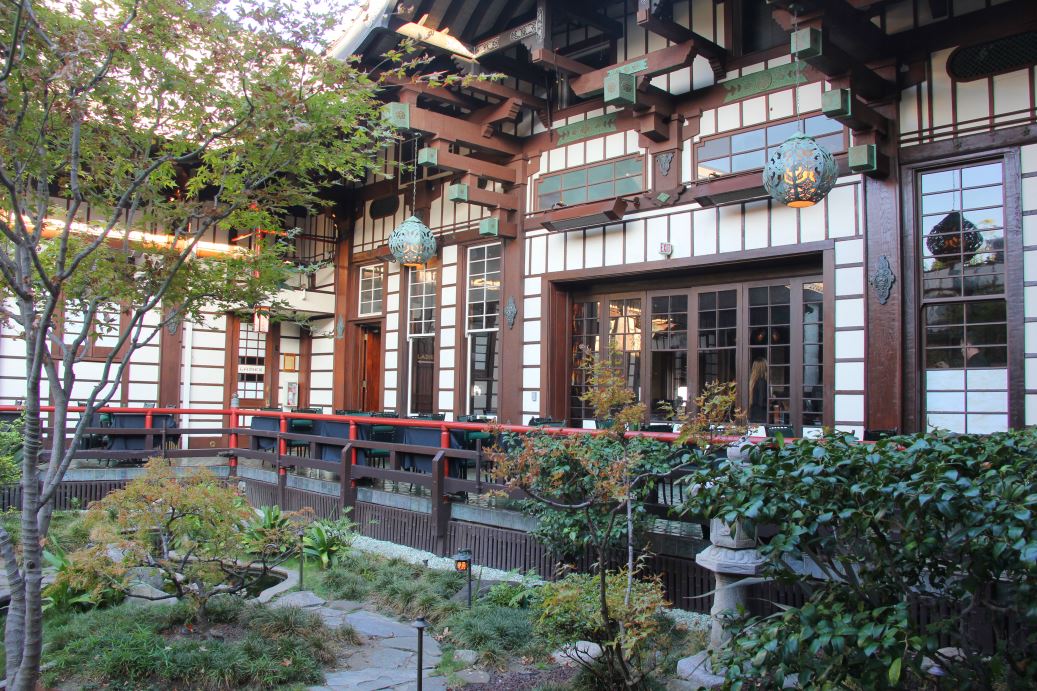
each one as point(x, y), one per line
point(883, 323)
point(981, 143)
point(1014, 287)
point(305, 366)
point(171, 347)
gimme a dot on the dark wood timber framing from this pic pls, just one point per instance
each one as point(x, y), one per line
point(965, 150)
point(171, 344)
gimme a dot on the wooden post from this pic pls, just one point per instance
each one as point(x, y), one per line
point(149, 439)
point(232, 459)
point(282, 485)
point(282, 444)
point(440, 505)
point(347, 486)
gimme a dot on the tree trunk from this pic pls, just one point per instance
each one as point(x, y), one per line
point(25, 615)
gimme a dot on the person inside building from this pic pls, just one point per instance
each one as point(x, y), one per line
point(758, 391)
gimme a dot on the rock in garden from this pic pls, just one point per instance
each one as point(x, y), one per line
point(146, 574)
point(466, 657)
point(580, 651)
point(474, 676)
point(304, 598)
point(698, 670)
point(144, 594)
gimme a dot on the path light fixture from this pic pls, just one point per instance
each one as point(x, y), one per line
point(463, 564)
point(420, 624)
point(301, 532)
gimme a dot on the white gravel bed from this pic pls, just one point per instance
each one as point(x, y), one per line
point(693, 620)
point(417, 556)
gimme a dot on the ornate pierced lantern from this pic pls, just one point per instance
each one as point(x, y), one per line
point(954, 239)
point(412, 243)
point(800, 172)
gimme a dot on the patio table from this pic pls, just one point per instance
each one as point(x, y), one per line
point(265, 424)
point(135, 442)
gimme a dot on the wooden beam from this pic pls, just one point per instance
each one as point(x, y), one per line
point(532, 29)
point(559, 62)
point(439, 93)
point(508, 109)
point(676, 33)
point(439, 157)
point(843, 106)
point(450, 129)
point(814, 47)
point(653, 64)
point(585, 14)
point(468, 191)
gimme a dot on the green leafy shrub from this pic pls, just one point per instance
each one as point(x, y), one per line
point(326, 540)
point(83, 580)
point(11, 451)
point(570, 611)
point(515, 594)
point(944, 522)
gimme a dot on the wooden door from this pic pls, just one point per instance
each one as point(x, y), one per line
point(371, 363)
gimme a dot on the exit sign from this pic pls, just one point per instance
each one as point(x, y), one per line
point(665, 249)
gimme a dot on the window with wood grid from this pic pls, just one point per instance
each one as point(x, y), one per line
point(591, 183)
point(964, 310)
point(749, 149)
point(371, 288)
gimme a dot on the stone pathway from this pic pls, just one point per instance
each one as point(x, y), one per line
point(387, 657)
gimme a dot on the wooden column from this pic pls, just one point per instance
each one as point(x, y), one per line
point(340, 357)
point(170, 359)
point(884, 331)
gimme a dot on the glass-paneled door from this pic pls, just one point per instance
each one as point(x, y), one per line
point(766, 336)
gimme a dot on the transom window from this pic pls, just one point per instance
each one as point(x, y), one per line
point(371, 287)
point(591, 183)
point(750, 149)
point(421, 313)
point(964, 311)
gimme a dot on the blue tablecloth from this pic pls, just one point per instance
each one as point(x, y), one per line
point(265, 424)
point(415, 436)
point(134, 442)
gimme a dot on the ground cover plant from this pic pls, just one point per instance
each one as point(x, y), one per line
point(935, 521)
point(394, 585)
point(248, 646)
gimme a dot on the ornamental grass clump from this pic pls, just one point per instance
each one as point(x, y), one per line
point(935, 523)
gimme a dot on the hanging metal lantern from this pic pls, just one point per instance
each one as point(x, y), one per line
point(954, 239)
point(800, 172)
point(412, 243)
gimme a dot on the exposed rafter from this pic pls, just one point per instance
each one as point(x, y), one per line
point(585, 14)
point(817, 49)
point(653, 64)
point(451, 129)
point(672, 31)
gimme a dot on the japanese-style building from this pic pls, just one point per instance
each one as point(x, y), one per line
point(608, 189)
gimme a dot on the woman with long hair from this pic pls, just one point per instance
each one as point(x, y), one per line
point(758, 391)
